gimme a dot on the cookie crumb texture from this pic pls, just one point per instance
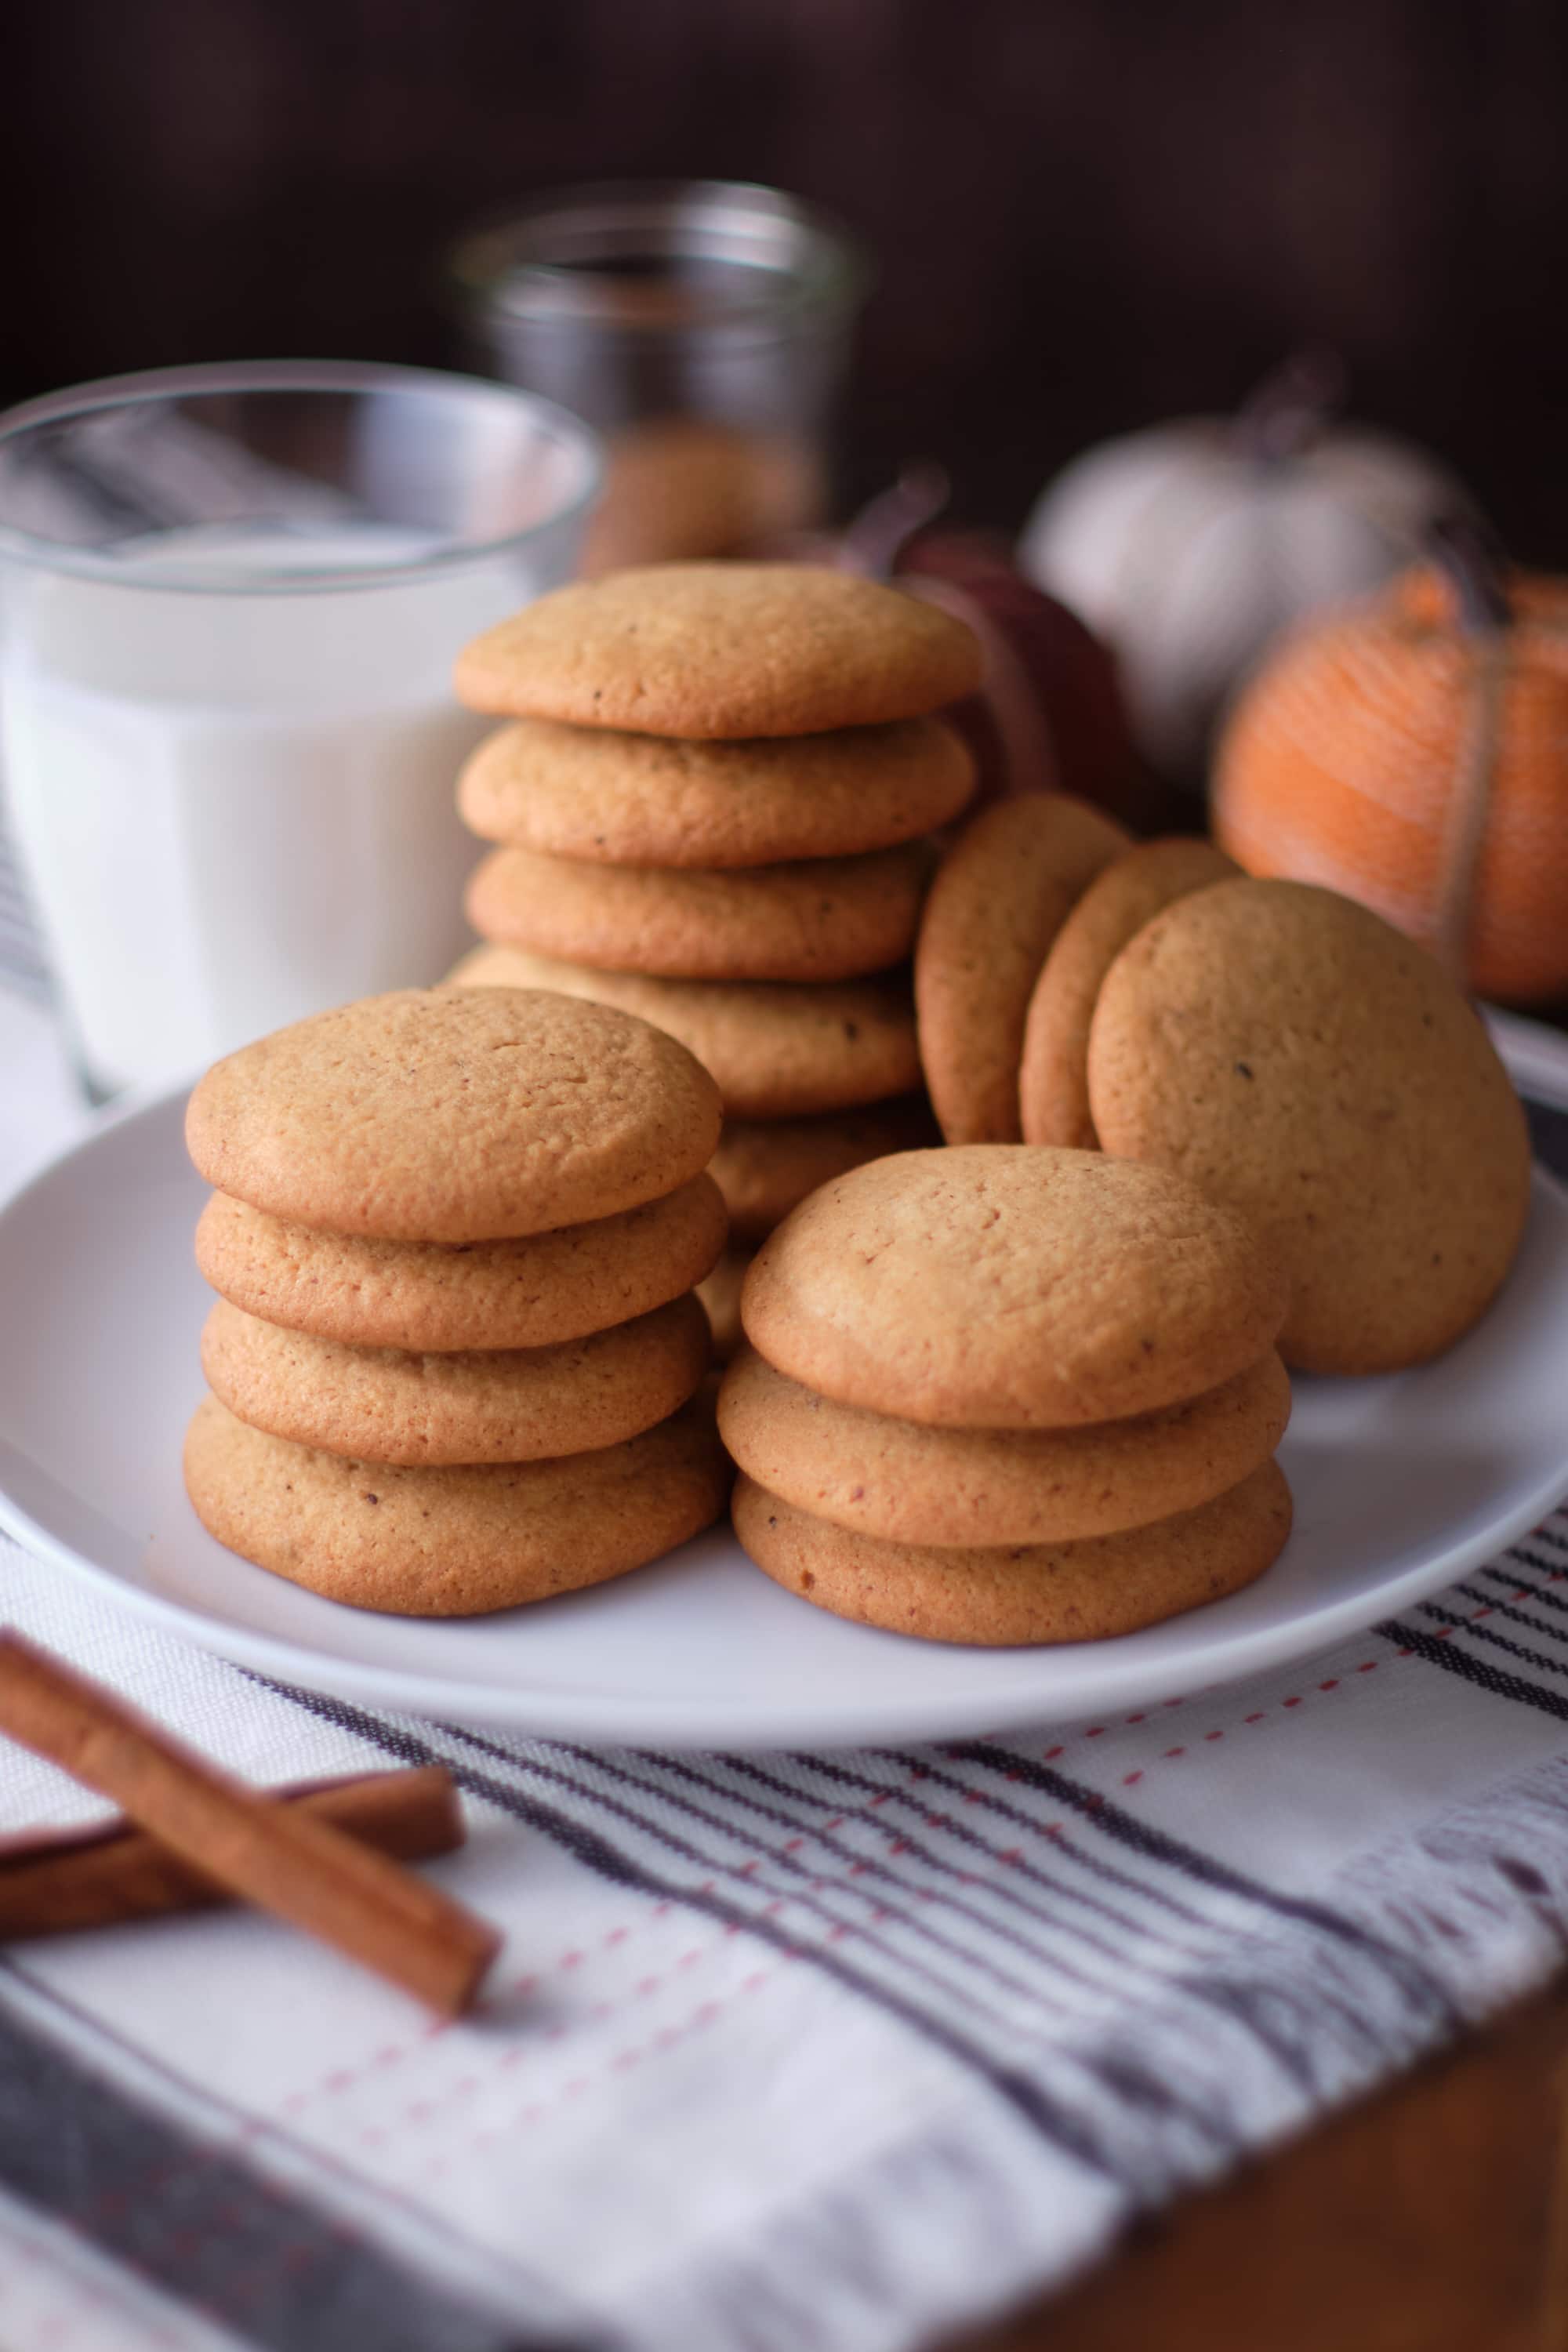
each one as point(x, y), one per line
point(454, 1542)
point(519, 1404)
point(721, 650)
point(454, 1115)
point(1021, 1594)
point(1297, 1058)
point(1012, 1286)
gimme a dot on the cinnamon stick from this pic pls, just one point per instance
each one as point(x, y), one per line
point(59, 1881)
point(278, 1856)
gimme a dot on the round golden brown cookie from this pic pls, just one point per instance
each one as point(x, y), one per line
point(721, 1296)
point(432, 1297)
point(648, 800)
point(765, 1166)
point(1053, 1078)
point(997, 1595)
point(820, 919)
point(999, 899)
point(1299, 1059)
point(705, 650)
point(457, 1542)
point(1002, 1287)
point(446, 1115)
point(776, 1051)
point(906, 1482)
point(495, 1405)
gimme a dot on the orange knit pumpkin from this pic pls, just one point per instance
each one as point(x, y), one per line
point(1413, 753)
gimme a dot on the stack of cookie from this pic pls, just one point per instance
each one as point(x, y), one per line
point(456, 1359)
point(710, 806)
point(999, 1394)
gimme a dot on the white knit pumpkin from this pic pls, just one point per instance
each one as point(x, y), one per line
point(1187, 551)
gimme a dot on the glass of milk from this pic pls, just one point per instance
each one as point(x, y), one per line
point(230, 599)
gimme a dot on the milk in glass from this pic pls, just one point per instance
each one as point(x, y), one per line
point(236, 806)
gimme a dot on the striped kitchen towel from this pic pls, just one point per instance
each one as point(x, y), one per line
point(840, 2051)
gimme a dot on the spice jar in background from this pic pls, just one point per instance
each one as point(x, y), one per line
point(702, 327)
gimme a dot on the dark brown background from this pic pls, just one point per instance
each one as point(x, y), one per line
point(1088, 215)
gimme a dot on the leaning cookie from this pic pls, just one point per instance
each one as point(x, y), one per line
point(910, 1482)
point(513, 1404)
point(453, 1542)
point(1002, 894)
point(996, 1597)
point(1297, 1057)
point(1053, 1076)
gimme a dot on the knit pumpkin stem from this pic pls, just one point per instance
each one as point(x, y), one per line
point(1472, 563)
point(879, 533)
point(1291, 408)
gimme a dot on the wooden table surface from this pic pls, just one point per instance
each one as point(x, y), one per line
point(1433, 2217)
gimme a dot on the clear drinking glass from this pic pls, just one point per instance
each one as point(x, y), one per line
point(702, 327)
point(230, 598)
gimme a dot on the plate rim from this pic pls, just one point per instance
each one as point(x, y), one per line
point(647, 1720)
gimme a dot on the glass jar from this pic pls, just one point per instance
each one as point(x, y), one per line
point(702, 327)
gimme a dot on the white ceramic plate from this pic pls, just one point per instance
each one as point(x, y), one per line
point(1400, 1484)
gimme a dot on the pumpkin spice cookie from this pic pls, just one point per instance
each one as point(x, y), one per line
point(820, 919)
point(432, 1297)
point(648, 800)
point(906, 1482)
point(1299, 1059)
point(1053, 1078)
point(453, 1542)
point(1000, 897)
point(1004, 1286)
point(454, 1115)
point(706, 650)
point(776, 1051)
point(506, 1404)
point(765, 1166)
point(1001, 1595)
